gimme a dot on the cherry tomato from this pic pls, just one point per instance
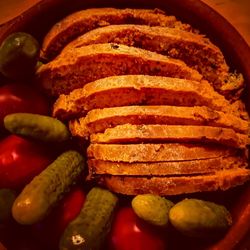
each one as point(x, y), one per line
point(16, 98)
point(131, 233)
point(51, 228)
point(20, 160)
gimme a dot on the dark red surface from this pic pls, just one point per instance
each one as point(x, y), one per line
point(20, 161)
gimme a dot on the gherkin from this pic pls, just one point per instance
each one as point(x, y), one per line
point(18, 56)
point(40, 127)
point(152, 208)
point(39, 196)
point(90, 228)
point(198, 218)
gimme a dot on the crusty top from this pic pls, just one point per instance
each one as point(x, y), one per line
point(82, 21)
point(112, 33)
point(72, 56)
point(79, 66)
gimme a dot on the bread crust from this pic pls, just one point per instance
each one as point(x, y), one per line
point(128, 133)
point(82, 21)
point(130, 185)
point(196, 149)
point(157, 152)
point(82, 65)
point(165, 168)
point(194, 49)
point(127, 90)
point(98, 120)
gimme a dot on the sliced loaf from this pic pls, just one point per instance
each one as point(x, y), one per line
point(157, 152)
point(127, 90)
point(195, 50)
point(165, 168)
point(131, 185)
point(84, 20)
point(97, 120)
point(128, 133)
point(79, 66)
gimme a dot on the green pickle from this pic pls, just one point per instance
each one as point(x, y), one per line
point(198, 218)
point(7, 198)
point(152, 208)
point(36, 126)
point(91, 227)
point(18, 56)
point(39, 64)
point(46, 189)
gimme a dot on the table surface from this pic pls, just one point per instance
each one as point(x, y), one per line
point(235, 11)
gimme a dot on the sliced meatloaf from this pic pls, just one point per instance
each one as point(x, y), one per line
point(128, 133)
point(97, 120)
point(165, 168)
point(134, 185)
point(82, 21)
point(129, 90)
point(79, 66)
point(157, 152)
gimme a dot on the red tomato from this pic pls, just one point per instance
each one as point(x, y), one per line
point(131, 233)
point(20, 160)
point(16, 98)
point(51, 228)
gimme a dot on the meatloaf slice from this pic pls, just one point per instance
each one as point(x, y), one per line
point(195, 50)
point(97, 120)
point(79, 66)
point(134, 185)
point(157, 152)
point(82, 21)
point(165, 168)
point(126, 90)
point(128, 133)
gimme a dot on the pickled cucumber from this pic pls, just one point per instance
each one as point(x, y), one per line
point(38, 65)
point(46, 189)
point(18, 56)
point(152, 208)
point(198, 218)
point(7, 198)
point(91, 226)
point(36, 126)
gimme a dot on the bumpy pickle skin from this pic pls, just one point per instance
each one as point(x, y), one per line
point(90, 228)
point(201, 219)
point(151, 208)
point(39, 127)
point(46, 189)
point(18, 56)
